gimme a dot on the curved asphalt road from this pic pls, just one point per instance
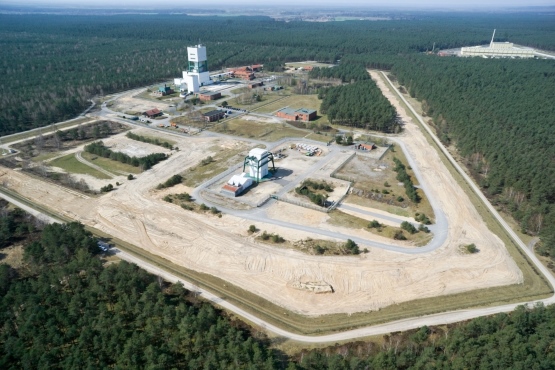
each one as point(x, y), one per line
point(399, 325)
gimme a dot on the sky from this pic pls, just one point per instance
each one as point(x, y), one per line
point(281, 3)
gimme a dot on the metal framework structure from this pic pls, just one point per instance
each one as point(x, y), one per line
point(254, 162)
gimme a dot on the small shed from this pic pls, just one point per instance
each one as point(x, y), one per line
point(365, 147)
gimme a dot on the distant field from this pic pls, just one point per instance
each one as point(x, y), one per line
point(256, 130)
point(293, 102)
point(306, 64)
point(267, 98)
point(71, 165)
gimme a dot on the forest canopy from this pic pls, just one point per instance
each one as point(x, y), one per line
point(64, 309)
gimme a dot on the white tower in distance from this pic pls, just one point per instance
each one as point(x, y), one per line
point(196, 74)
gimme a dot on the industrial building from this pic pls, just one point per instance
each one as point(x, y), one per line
point(209, 95)
point(302, 114)
point(213, 115)
point(237, 185)
point(244, 73)
point(164, 90)
point(497, 50)
point(257, 163)
point(197, 74)
point(252, 85)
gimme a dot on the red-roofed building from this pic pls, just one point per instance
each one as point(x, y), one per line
point(153, 113)
point(244, 73)
point(365, 147)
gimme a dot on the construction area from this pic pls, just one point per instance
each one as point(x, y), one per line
point(391, 272)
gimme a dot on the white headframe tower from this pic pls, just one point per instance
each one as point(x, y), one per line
point(197, 73)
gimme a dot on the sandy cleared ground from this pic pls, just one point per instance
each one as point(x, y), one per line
point(220, 246)
point(128, 103)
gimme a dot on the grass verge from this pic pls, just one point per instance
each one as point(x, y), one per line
point(258, 130)
point(220, 162)
point(110, 165)
point(71, 165)
point(293, 102)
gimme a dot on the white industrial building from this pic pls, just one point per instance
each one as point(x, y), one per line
point(497, 50)
point(237, 184)
point(197, 74)
point(257, 163)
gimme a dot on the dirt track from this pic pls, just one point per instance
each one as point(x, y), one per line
point(220, 246)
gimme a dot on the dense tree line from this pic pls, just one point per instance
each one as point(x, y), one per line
point(346, 72)
point(65, 309)
point(404, 177)
point(360, 104)
point(72, 312)
point(145, 162)
point(150, 140)
point(172, 181)
point(500, 115)
point(521, 340)
point(14, 225)
point(52, 64)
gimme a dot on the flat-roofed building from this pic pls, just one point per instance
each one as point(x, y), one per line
point(302, 114)
point(209, 95)
point(214, 115)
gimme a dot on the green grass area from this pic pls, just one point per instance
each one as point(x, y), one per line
point(45, 130)
point(293, 102)
point(221, 161)
point(266, 99)
point(115, 167)
point(71, 165)
point(45, 157)
point(365, 202)
point(320, 137)
point(314, 64)
point(342, 219)
point(258, 130)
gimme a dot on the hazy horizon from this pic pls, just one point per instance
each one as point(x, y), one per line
point(425, 4)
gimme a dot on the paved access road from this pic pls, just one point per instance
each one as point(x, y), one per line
point(399, 325)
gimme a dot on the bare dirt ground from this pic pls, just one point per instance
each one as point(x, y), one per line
point(221, 246)
point(128, 103)
point(249, 117)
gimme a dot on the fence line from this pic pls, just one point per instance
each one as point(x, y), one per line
point(340, 167)
point(334, 205)
point(385, 151)
point(301, 204)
